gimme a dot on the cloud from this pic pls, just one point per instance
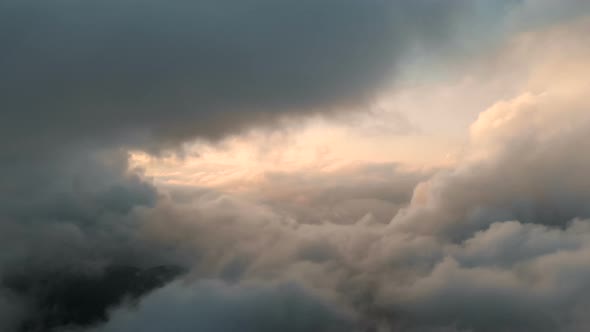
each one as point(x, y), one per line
point(502, 278)
point(158, 73)
point(492, 244)
point(11, 312)
point(523, 161)
point(75, 297)
point(509, 277)
point(499, 242)
point(214, 306)
point(66, 237)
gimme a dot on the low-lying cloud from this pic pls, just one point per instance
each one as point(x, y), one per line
point(215, 306)
point(498, 242)
point(154, 74)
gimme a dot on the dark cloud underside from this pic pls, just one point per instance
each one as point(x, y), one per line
point(169, 70)
point(82, 82)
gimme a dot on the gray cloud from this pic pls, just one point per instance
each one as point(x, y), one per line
point(11, 312)
point(80, 80)
point(523, 289)
point(128, 71)
point(487, 246)
point(497, 243)
point(511, 276)
point(529, 171)
point(65, 237)
point(214, 306)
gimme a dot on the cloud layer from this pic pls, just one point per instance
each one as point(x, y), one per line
point(157, 73)
point(498, 242)
point(214, 306)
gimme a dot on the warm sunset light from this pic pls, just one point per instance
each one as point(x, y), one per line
point(295, 166)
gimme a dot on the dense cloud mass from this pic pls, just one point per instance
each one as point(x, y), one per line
point(498, 242)
point(158, 72)
point(83, 81)
point(213, 306)
point(66, 238)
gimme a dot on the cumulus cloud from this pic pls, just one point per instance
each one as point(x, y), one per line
point(497, 243)
point(215, 306)
point(508, 277)
point(525, 165)
point(343, 195)
point(523, 159)
point(83, 80)
point(66, 237)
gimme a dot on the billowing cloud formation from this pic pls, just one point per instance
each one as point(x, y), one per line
point(343, 195)
point(497, 243)
point(82, 80)
point(214, 306)
point(524, 161)
point(171, 70)
point(66, 237)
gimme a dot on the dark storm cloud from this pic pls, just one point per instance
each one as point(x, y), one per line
point(61, 298)
point(78, 185)
point(68, 249)
point(132, 70)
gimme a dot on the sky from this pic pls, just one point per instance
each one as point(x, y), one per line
point(299, 166)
